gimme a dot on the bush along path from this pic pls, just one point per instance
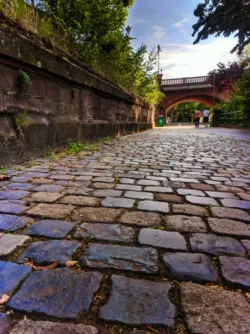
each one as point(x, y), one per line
point(149, 234)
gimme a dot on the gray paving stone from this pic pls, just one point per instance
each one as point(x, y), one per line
point(62, 177)
point(20, 186)
point(107, 232)
point(127, 181)
point(114, 202)
point(46, 327)
point(148, 183)
point(50, 228)
point(104, 179)
point(153, 206)
point(246, 243)
point(217, 245)
point(201, 200)
point(190, 209)
point(59, 293)
point(236, 203)
point(107, 193)
point(235, 270)
point(11, 275)
point(121, 257)
point(12, 223)
point(141, 218)
point(80, 200)
point(9, 243)
point(52, 188)
point(188, 224)
point(163, 239)
point(184, 180)
point(159, 189)
point(194, 266)
point(191, 192)
point(128, 187)
point(139, 195)
point(98, 215)
point(210, 310)
point(56, 211)
point(139, 302)
point(13, 206)
point(13, 194)
point(230, 213)
point(45, 197)
point(5, 323)
point(45, 252)
point(227, 226)
point(220, 194)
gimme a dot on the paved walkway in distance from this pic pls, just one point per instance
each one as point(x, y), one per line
point(158, 223)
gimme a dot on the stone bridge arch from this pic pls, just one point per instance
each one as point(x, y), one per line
point(193, 89)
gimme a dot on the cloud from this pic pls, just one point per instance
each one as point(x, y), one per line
point(159, 32)
point(180, 24)
point(195, 60)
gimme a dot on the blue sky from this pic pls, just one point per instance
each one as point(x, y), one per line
point(169, 23)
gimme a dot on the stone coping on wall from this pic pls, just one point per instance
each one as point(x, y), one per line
point(28, 49)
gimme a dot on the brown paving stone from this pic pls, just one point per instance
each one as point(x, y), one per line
point(228, 226)
point(188, 224)
point(45, 197)
point(244, 196)
point(230, 213)
point(80, 200)
point(202, 186)
point(140, 218)
point(214, 310)
point(190, 209)
point(56, 211)
point(102, 185)
point(246, 244)
point(99, 215)
point(46, 327)
point(169, 198)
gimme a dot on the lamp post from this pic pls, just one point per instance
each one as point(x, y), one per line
point(158, 51)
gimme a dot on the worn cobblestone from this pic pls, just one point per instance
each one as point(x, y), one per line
point(146, 242)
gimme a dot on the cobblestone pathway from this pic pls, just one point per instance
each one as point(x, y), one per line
point(158, 224)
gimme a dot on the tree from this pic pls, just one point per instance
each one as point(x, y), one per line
point(223, 17)
point(226, 75)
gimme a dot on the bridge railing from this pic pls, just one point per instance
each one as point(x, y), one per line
point(185, 81)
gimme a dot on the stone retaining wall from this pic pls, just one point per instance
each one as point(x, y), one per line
point(65, 100)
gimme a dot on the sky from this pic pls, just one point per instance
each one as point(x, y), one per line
point(169, 24)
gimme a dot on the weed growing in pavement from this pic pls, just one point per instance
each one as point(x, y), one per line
point(76, 147)
point(3, 170)
point(50, 155)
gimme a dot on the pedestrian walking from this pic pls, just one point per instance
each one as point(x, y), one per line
point(206, 117)
point(197, 116)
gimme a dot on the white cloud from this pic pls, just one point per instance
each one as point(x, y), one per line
point(195, 60)
point(180, 24)
point(159, 32)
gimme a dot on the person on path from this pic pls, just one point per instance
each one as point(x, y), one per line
point(197, 116)
point(205, 117)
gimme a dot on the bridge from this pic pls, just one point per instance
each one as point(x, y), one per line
point(191, 89)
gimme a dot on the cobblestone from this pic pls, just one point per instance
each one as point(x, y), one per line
point(163, 239)
point(210, 310)
point(125, 211)
point(47, 327)
point(130, 296)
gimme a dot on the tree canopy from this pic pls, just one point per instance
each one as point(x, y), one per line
point(223, 17)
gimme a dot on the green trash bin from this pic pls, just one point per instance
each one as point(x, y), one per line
point(160, 121)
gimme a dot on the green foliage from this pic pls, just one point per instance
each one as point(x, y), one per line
point(76, 147)
point(24, 78)
point(236, 110)
point(50, 155)
point(21, 119)
point(3, 170)
point(223, 17)
point(16, 8)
